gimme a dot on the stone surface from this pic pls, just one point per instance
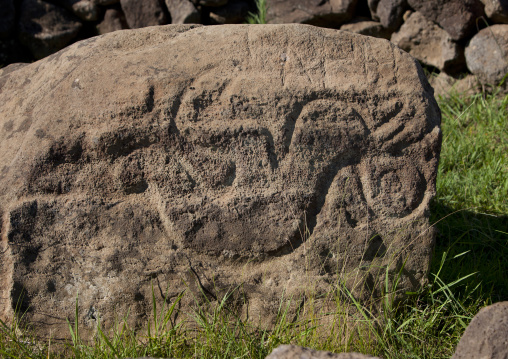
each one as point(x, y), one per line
point(388, 12)
point(368, 28)
point(429, 43)
point(183, 12)
point(297, 352)
point(328, 13)
point(235, 12)
point(486, 337)
point(444, 85)
point(143, 13)
point(492, 41)
point(10, 68)
point(497, 10)
point(84, 9)
point(457, 17)
point(7, 17)
point(114, 19)
point(45, 28)
point(204, 159)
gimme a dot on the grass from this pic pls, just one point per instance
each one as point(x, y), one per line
point(473, 190)
point(259, 17)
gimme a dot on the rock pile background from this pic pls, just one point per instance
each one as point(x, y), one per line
point(452, 36)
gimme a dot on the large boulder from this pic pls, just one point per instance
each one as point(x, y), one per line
point(114, 19)
point(388, 12)
point(272, 161)
point(183, 12)
point(144, 13)
point(493, 41)
point(430, 44)
point(486, 337)
point(458, 17)
point(327, 13)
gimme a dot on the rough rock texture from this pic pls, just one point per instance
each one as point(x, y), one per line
point(114, 19)
point(45, 28)
point(296, 352)
point(457, 17)
point(429, 43)
point(7, 17)
point(234, 12)
point(143, 13)
point(368, 28)
point(270, 159)
point(492, 41)
point(445, 85)
point(486, 337)
point(461, 18)
point(85, 9)
point(183, 12)
point(388, 12)
point(497, 10)
point(329, 13)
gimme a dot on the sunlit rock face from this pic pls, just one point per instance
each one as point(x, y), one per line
point(275, 161)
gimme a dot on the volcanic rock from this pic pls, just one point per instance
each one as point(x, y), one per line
point(84, 9)
point(497, 10)
point(114, 19)
point(143, 13)
point(327, 13)
point(487, 53)
point(457, 17)
point(486, 337)
point(429, 43)
point(368, 28)
point(445, 85)
point(183, 12)
point(263, 161)
point(388, 12)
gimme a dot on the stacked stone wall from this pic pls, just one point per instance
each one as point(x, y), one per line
point(451, 36)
